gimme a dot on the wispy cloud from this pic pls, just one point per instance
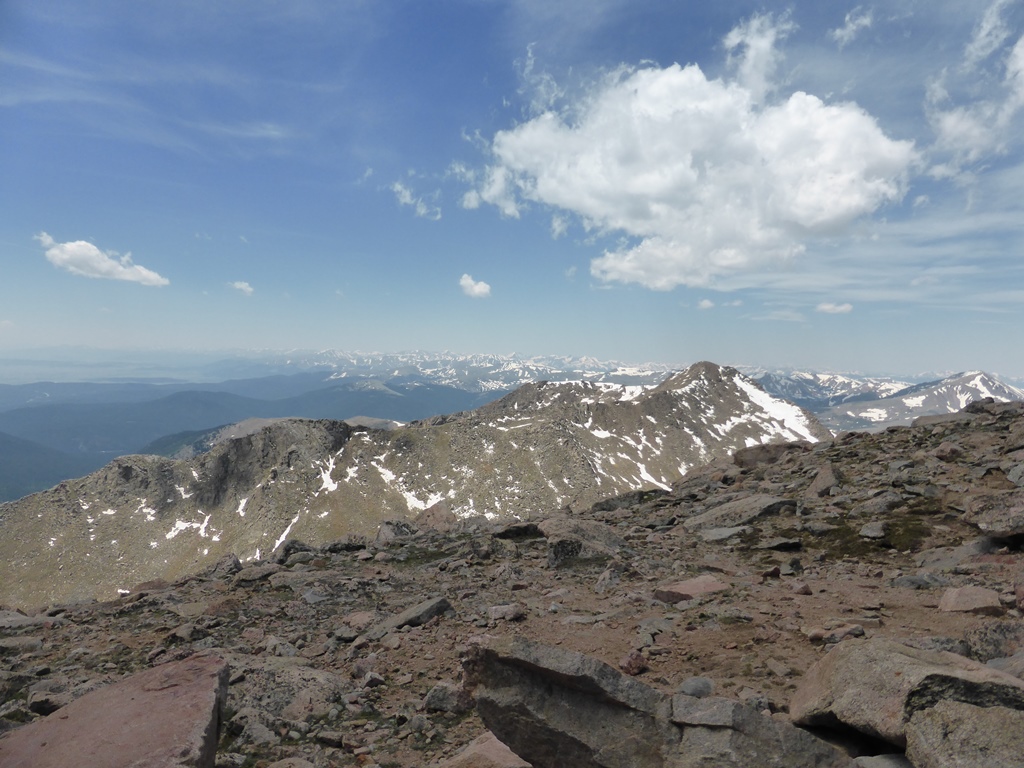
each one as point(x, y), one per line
point(856, 21)
point(243, 287)
point(704, 177)
point(705, 304)
point(476, 289)
point(83, 258)
point(424, 207)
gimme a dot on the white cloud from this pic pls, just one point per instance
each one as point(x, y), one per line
point(423, 207)
point(241, 285)
point(989, 35)
point(82, 258)
point(856, 20)
point(705, 304)
point(974, 110)
point(834, 309)
point(476, 289)
point(703, 177)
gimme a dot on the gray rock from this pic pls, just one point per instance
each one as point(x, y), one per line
point(556, 708)
point(569, 538)
point(447, 697)
point(997, 514)
point(697, 687)
point(953, 734)
point(739, 512)
point(883, 761)
point(875, 686)
point(874, 530)
point(418, 614)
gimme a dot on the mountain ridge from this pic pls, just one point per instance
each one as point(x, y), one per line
point(541, 448)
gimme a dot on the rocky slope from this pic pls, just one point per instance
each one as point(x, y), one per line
point(543, 447)
point(873, 583)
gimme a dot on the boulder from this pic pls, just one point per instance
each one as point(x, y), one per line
point(971, 600)
point(875, 686)
point(738, 512)
point(556, 708)
point(999, 514)
point(953, 734)
point(570, 538)
point(166, 716)
point(418, 614)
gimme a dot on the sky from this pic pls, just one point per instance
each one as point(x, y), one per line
point(814, 185)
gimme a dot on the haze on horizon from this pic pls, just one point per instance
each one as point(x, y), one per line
point(832, 187)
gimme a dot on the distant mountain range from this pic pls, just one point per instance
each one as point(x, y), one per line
point(543, 447)
point(73, 428)
point(929, 399)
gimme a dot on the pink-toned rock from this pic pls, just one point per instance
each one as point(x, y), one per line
point(164, 717)
point(971, 600)
point(486, 752)
point(689, 589)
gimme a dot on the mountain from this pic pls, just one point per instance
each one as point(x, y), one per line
point(544, 447)
point(933, 398)
point(820, 391)
point(28, 467)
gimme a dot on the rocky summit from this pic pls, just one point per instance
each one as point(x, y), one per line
point(541, 448)
point(851, 602)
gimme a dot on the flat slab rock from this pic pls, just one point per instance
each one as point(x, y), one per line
point(689, 589)
point(739, 512)
point(164, 717)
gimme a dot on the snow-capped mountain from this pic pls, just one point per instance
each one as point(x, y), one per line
point(543, 447)
point(475, 373)
point(929, 399)
point(818, 391)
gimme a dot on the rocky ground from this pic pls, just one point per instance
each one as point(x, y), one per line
point(745, 575)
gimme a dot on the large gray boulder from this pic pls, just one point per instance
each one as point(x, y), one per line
point(559, 709)
point(875, 686)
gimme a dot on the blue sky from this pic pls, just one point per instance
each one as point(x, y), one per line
point(810, 184)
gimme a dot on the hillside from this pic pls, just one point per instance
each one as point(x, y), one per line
point(542, 448)
point(852, 603)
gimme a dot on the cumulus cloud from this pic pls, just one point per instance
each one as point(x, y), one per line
point(856, 21)
point(476, 289)
point(698, 177)
point(705, 304)
point(830, 308)
point(242, 286)
point(82, 258)
point(422, 206)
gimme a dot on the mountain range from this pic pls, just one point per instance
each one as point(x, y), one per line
point(545, 446)
point(52, 431)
